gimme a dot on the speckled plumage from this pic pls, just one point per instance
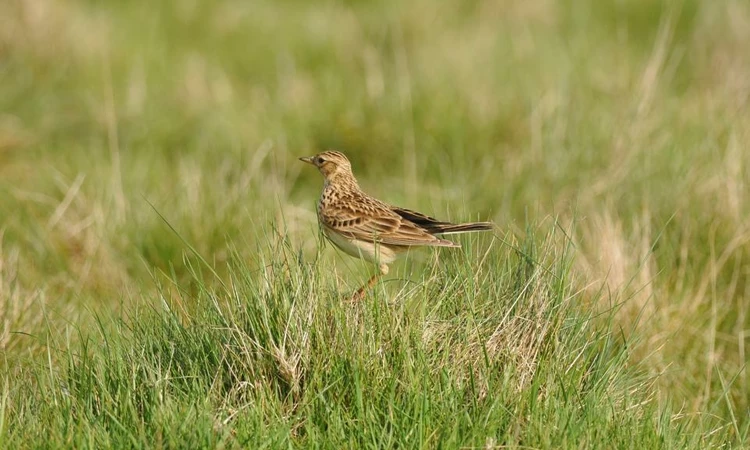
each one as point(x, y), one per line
point(365, 227)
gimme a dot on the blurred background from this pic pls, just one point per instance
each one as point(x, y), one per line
point(626, 118)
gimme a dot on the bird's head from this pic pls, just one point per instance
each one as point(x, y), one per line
point(330, 164)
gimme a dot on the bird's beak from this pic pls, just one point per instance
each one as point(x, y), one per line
point(307, 159)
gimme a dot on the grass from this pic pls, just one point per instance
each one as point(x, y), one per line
point(495, 350)
point(159, 281)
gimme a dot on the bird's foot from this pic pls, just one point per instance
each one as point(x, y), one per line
point(359, 294)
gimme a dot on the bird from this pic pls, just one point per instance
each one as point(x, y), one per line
point(365, 227)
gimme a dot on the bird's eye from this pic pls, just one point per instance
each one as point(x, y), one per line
point(319, 160)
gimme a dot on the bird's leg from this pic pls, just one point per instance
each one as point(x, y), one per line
point(359, 294)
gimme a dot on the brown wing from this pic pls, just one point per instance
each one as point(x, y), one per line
point(429, 224)
point(367, 219)
point(434, 226)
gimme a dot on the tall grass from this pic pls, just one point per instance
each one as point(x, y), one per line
point(490, 348)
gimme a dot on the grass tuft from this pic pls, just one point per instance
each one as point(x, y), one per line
point(497, 349)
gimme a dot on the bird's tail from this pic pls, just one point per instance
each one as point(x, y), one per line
point(434, 226)
point(453, 228)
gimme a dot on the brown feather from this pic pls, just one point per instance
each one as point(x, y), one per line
point(345, 209)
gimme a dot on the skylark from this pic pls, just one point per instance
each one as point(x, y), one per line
point(367, 228)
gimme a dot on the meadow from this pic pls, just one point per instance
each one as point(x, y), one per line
point(163, 283)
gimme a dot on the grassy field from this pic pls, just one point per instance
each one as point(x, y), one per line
point(163, 283)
